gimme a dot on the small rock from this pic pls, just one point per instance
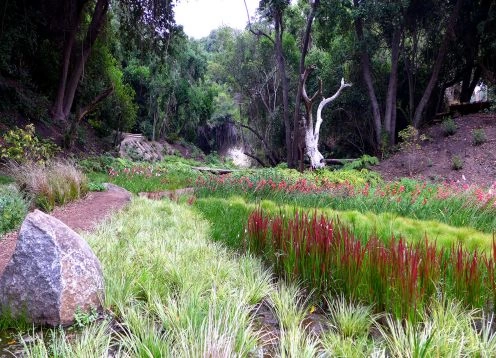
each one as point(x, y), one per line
point(117, 189)
point(52, 272)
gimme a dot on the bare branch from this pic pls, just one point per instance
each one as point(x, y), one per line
point(324, 103)
point(256, 32)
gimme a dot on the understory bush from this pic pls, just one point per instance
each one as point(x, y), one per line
point(13, 208)
point(51, 184)
point(22, 145)
point(479, 136)
point(171, 173)
point(449, 127)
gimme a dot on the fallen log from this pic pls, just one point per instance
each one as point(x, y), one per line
point(218, 171)
point(339, 161)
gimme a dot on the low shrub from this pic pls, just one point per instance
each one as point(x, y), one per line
point(449, 127)
point(13, 208)
point(456, 162)
point(104, 163)
point(55, 183)
point(92, 186)
point(364, 162)
point(479, 137)
point(22, 145)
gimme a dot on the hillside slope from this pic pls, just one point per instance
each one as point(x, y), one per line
point(433, 161)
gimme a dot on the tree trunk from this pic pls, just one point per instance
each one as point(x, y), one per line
point(367, 77)
point(312, 135)
point(73, 62)
point(301, 80)
point(58, 105)
point(281, 64)
point(389, 126)
point(469, 82)
point(417, 118)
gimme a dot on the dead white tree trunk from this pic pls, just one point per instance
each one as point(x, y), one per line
point(312, 134)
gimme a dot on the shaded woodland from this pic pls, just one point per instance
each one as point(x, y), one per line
point(113, 66)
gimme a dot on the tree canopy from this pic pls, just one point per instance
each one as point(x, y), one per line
point(127, 66)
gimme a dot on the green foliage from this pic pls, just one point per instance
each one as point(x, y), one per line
point(230, 217)
point(365, 162)
point(119, 110)
point(22, 145)
point(13, 208)
point(479, 136)
point(84, 318)
point(449, 126)
point(103, 163)
point(456, 162)
point(450, 204)
point(5, 179)
point(410, 139)
point(92, 186)
point(172, 173)
point(203, 307)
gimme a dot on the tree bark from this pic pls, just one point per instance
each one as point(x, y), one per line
point(73, 62)
point(312, 134)
point(367, 77)
point(301, 79)
point(58, 105)
point(419, 111)
point(281, 64)
point(389, 117)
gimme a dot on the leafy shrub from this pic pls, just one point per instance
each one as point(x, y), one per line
point(449, 127)
point(13, 208)
point(104, 163)
point(22, 145)
point(479, 136)
point(365, 162)
point(456, 162)
point(92, 186)
point(352, 176)
point(55, 183)
point(410, 144)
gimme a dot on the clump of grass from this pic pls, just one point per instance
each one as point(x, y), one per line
point(13, 208)
point(449, 127)
point(479, 136)
point(391, 275)
point(446, 330)
point(450, 203)
point(167, 304)
point(55, 183)
point(456, 162)
point(350, 320)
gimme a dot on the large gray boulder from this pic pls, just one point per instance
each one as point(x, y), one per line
point(51, 274)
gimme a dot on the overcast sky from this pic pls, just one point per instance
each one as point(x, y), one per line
point(199, 17)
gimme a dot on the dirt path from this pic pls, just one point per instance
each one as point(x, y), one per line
point(82, 215)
